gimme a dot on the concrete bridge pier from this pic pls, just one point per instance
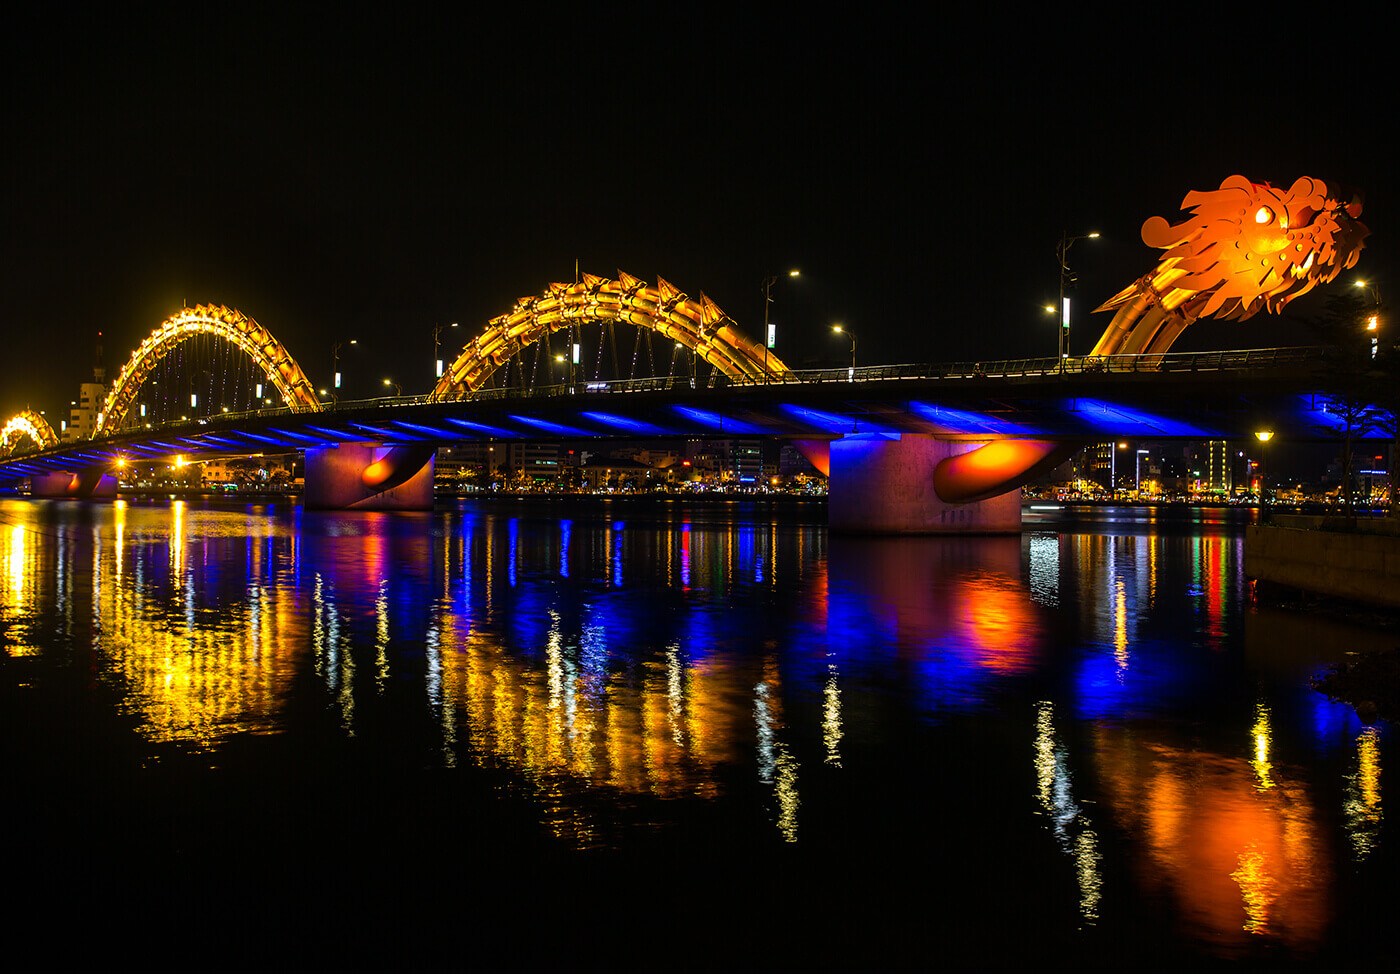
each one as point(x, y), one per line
point(370, 477)
point(884, 484)
point(94, 482)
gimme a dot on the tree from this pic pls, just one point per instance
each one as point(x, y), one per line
point(1360, 380)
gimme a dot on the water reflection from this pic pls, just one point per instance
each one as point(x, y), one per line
point(1072, 830)
point(1237, 858)
point(1363, 795)
point(632, 671)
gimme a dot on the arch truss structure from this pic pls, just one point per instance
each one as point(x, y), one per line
point(700, 326)
point(228, 324)
point(27, 424)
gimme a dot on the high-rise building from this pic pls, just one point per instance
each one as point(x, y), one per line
point(82, 418)
point(1218, 469)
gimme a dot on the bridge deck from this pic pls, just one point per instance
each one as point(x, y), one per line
point(1214, 395)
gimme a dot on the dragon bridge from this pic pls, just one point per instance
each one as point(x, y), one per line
point(226, 323)
point(699, 326)
point(26, 424)
point(1246, 247)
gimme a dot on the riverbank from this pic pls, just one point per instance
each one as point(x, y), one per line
point(1332, 556)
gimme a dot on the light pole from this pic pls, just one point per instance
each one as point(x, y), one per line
point(397, 390)
point(335, 369)
point(1066, 242)
point(1263, 436)
point(768, 330)
point(437, 357)
point(843, 330)
point(1373, 322)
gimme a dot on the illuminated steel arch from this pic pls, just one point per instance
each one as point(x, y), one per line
point(698, 325)
point(30, 424)
point(226, 323)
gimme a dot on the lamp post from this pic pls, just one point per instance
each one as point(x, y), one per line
point(1066, 242)
point(335, 368)
point(397, 390)
point(768, 336)
point(843, 330)
point(1373, 321)
point(437, 340)
point(1263, 436)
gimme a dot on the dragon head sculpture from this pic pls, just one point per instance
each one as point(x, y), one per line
point(1246, 247)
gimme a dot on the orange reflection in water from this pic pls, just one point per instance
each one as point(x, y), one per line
point(969, 594)
point(1241, 860)
point(995, 619)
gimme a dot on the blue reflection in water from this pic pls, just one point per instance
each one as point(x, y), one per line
point(1100, 676)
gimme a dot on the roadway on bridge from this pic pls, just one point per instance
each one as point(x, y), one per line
point(1181, 396)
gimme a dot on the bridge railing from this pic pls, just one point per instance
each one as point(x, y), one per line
point(1048, 368)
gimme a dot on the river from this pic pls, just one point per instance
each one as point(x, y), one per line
point(691, 728)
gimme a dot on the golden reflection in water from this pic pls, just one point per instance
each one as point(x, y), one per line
point(660, 735)
point(177, 542)
point(15, 570)
point(831, 717)
point(785, 790)
point(198, 685)
point(191, 675)
point(1262, 737)
point(381, 636)
point(1068, 822)
point(1120, 629)
point(19, 570)
point(1362, 805)
point(119, 534)
point(1240, 860)
point(1258, 889)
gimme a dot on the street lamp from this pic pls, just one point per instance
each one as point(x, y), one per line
point(397, 390)
point(437, 357)
point(843, 330)
point(769, 336)
point(1373, 322)
point(335, 369)
point(1066, 242)
point(1263, 436)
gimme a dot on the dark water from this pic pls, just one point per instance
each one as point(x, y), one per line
point(652, 733)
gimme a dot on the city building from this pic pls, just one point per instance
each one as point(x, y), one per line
point(82, 418)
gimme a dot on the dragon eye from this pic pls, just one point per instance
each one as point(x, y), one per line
point(1264, 215)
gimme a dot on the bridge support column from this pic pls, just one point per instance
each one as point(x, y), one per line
point(370, 477)
point(883, 484)
point(87, 483)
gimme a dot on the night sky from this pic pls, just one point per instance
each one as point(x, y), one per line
point(369, 178)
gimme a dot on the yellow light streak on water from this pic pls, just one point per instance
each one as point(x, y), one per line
point(1262, 738)
point(1362, 805)
point(14, 569)
point(1257, 887)
point(831, 717)
point(1120, 629)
